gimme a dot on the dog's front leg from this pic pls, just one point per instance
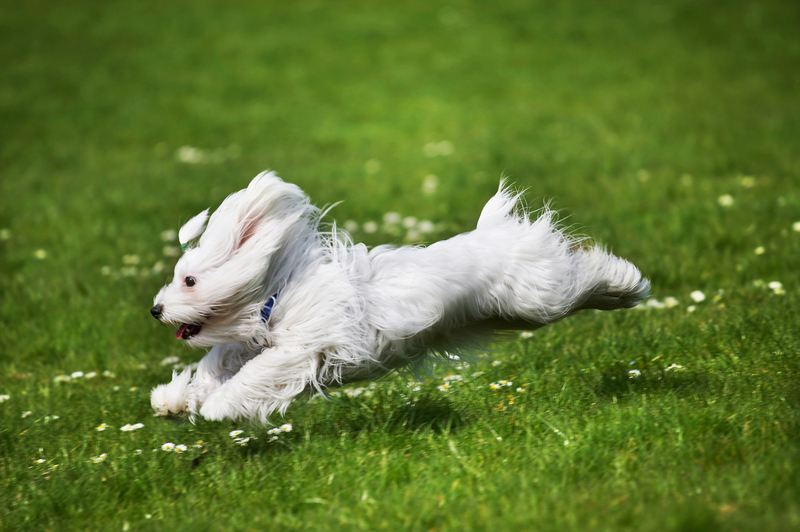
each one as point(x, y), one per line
point(187, 392)
point(266, 383)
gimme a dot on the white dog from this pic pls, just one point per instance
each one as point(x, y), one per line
point(287, 308)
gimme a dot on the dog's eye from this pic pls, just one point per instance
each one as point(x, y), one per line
point(190, 281)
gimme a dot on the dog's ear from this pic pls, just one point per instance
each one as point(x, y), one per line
point(193, 228)
point(248, 229)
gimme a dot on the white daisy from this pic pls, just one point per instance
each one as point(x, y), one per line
point(429, 184)
point(392, 218)
point(697, 296)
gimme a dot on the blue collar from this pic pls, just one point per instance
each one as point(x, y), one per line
point(267, 310)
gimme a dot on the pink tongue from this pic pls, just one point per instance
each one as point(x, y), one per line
point(180, 332)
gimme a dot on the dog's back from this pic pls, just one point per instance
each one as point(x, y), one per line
point(511, 272)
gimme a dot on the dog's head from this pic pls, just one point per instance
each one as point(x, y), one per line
point(243, 255)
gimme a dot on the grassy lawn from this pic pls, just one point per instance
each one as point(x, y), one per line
point(667, 130)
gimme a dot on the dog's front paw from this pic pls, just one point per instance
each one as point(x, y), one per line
point(171, 398)
point(212, 411)
point(216, 408)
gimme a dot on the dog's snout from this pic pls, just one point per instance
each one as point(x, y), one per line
point(156, 311)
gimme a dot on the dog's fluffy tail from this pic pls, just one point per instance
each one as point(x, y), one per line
point(587, 275)
point(612, 282)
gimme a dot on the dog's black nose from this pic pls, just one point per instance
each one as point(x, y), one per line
point(156, 311)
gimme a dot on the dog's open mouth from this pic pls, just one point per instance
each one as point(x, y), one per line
point(187, 330)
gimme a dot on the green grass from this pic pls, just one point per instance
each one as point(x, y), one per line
point(633, 118)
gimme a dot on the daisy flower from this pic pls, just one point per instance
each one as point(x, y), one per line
point(98, 459)
point(168, 446)
point(4, 398)
point(76, 374)
point(101, 427)
point(180, 448)
point(26, 414)
point(444, 387)
point(429, 184)
point(286, 427)
point(697, 296)
point(634, 373)
point(234, 433)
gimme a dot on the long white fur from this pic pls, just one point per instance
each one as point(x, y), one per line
point(345, 313)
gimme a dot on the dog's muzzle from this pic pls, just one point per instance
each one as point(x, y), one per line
point(156, 311)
